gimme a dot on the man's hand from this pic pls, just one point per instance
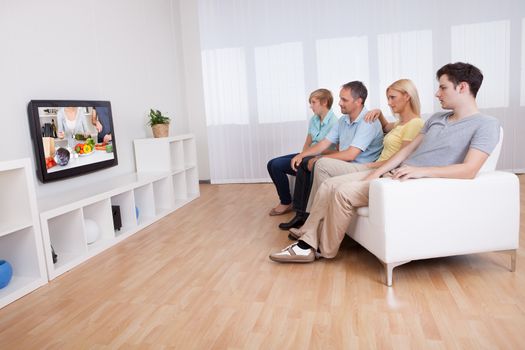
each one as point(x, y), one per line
point(406, 172)
point(296, 161)
point(107, 138)
point(311, 163)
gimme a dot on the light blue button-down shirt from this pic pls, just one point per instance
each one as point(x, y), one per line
point(319, 130)
point(368, 137)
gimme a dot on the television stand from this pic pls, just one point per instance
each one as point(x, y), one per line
point(163, 183)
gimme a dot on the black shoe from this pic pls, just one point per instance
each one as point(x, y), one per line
point(297, 221)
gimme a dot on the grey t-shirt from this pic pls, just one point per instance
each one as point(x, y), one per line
point(447, 143)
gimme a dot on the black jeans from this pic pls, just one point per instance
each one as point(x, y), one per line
point(303, 185)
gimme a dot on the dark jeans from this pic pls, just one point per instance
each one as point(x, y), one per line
point(303, 185)
point(278, 168)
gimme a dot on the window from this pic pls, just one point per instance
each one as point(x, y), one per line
point(225, 88)
point(406, 55)
point(279, 73)
point(486, 45)
point(340, 61)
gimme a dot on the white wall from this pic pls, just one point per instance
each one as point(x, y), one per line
point(194, 90)
point(124, 51)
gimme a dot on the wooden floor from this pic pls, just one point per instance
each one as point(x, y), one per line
point(201, 279)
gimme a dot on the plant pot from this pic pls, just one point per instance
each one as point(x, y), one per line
point(160, 130)
point(6, 272)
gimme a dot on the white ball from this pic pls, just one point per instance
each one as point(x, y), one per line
point(92, 231)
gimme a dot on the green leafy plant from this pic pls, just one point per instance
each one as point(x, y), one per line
point(156, 117)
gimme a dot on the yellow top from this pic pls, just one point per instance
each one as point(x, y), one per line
point(394, 139)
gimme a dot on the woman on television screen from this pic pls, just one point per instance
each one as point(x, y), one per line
point(71, 121)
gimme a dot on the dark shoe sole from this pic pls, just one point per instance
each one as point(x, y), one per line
point(293, 237)
point(286, 226)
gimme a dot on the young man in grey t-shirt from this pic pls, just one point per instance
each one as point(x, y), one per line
point(452, 144)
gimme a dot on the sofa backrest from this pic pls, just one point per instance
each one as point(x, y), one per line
point(492, 160)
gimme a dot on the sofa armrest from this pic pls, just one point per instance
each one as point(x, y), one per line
point(426, 218)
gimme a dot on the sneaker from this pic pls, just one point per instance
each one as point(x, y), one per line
point(293, 254)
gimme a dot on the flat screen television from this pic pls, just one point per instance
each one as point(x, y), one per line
point(71, 138)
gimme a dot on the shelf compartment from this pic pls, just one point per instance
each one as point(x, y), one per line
point(176, 156)
point(145, 203)
point(163, 194)
point(100, 214)
point(192, 183)
point(15, 208)
point(128, 216)
point(179, 189)
point(19, 249)
point(66, 234)
point(190, 155)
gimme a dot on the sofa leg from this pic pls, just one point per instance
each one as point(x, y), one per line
point(512, 254)
point(389, 268)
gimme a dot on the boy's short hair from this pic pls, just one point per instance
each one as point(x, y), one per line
point(357, 89)
point(323, 95)
point(462, 72)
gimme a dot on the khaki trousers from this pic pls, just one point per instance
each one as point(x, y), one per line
point(332, 211)
point(326, 168)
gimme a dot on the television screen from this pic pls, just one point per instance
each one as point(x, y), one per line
point(71, 138)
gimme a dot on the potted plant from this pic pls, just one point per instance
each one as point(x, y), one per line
point(160, 123)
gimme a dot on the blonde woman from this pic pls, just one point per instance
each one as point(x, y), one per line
point(403, 100)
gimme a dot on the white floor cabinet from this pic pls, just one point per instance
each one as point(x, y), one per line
point(175, 155)
point(20, 238)
point(166, 179)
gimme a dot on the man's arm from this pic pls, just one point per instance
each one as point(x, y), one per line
point(347, 155)
point(310, 151)
point(377, 164)
point(397, 158)
point(467, 170)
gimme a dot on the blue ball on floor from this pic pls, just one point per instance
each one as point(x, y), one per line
point(6, 273)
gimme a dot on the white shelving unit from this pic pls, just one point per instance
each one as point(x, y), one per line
point(165, 180)
point(20, 238)
point(175, 155)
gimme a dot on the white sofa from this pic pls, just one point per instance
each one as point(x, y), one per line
point(428, 218)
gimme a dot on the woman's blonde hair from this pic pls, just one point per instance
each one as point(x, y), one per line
point(406, 86)
point(323, 95)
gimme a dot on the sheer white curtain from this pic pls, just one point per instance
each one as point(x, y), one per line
point(261, 59)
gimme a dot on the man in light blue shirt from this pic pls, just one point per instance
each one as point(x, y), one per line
point(357, 133)
point(359, 142)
